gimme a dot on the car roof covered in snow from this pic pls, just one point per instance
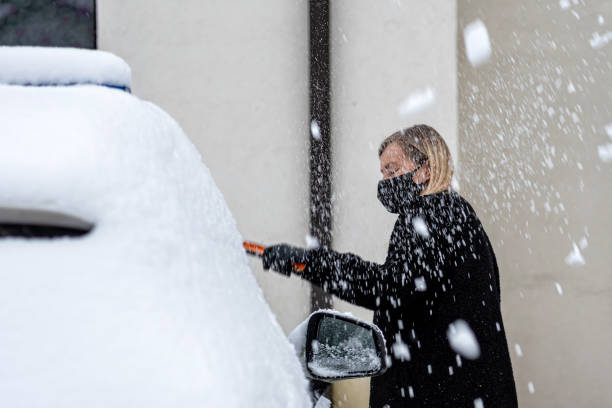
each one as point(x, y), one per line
point(49, 66)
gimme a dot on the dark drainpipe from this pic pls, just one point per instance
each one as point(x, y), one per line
point(320, 152)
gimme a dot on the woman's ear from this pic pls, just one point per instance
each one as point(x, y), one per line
point(423, 174)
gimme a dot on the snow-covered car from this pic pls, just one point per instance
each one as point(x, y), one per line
point(123, 278)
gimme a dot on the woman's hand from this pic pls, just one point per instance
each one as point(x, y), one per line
point(282, 257)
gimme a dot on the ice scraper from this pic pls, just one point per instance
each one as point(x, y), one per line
point(254, 249)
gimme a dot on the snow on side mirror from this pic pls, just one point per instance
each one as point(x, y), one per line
point(340, 347)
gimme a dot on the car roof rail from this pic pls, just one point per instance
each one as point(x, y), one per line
point(63, 66)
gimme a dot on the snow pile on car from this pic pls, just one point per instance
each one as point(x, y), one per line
point(44, 66)
point(157, 305)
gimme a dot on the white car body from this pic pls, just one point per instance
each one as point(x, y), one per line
point(156, 306)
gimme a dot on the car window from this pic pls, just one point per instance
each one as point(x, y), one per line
point(33, 223)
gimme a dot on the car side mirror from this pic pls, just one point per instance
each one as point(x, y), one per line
point(340, 347)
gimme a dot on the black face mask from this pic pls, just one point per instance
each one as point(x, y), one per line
point(398, 192)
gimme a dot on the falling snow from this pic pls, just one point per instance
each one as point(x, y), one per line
point(518, 350)
point(575, 258)
point(531, 387)
point(420, 284)
point(311, 242)
point(463, 340)
point(477, 43)
point(417, 101)
point(400, 351)
point(608, 129)
point(599, 40)
point(315, 130)
point(605, 153)
point(420, 227)
point(455, 184)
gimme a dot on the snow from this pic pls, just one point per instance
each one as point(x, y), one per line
point(401, 351)
point(420, 284)
point(462, 339)
point(477, 43)
point(531, 387)
point(455, 184)
point(315, 130)
point(323, 370)
point(417, 101)
point(564, 4)
point(478, 403)
point(420, 227)
point(156, 306)
point(605, 153)
point(518, 350)
point(574, 258)
point(323, 402)
point(599, 40)
point(608, 129)
point(53, 66)
point(297, 337)
point(312, 242)
point(559, 288)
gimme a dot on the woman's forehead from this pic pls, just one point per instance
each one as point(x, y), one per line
point(393, 152)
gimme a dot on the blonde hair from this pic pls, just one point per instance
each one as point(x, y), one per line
point(422, 143)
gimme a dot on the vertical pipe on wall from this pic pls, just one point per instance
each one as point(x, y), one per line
point(320, 153)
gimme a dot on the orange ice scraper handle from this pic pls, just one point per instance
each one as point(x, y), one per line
point(254, 249)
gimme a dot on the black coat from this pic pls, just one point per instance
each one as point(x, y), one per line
point(440, 267)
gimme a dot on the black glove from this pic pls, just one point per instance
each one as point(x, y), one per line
point(281, 258)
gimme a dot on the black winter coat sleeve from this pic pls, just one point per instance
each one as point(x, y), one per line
point(421, 244)
point(409, 267)
point(347, 276)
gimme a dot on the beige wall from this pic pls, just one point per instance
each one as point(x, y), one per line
point(235, 76)
point(530, 123)
point(381, 53)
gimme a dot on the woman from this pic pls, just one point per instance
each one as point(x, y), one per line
point(440, 273)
